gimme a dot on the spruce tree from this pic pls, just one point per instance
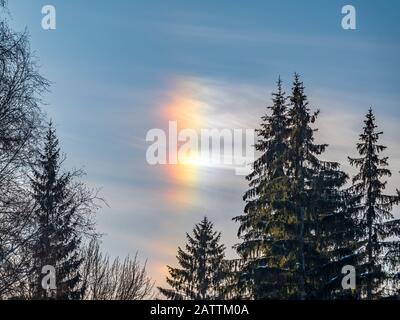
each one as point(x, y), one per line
point(201, 273)
point(294, 225)
point(57, 239)
point(265, 227)
point(379, 241)
point(318, 201)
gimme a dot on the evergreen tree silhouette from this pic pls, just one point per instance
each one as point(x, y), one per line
point(201, 273)
point(379, 244)
point(295, 226)
point(265, 227)
point(57, 240)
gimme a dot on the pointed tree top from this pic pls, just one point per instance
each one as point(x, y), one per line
point(297, 83)
point(370, 114)
point(370, 120)
point(51, 131)
point(279, 83)
point(206, 223)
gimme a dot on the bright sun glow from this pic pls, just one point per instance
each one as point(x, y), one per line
point(186, 110)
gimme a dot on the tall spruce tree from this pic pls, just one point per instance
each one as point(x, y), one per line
point(265, 227)
point(379, 241)
point(294, 225)
point(317, 198)
point(57, 239)
point(202, 271)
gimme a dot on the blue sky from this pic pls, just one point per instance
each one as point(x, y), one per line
point(114, 64)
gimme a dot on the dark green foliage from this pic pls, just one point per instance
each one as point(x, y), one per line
point(323, 225)
point(379, 244)
point(57, 239)
point(295, 226)
point(201, 272)
point(264, 248)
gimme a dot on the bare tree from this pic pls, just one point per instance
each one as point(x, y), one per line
point(116, 280)
point(21, 86)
